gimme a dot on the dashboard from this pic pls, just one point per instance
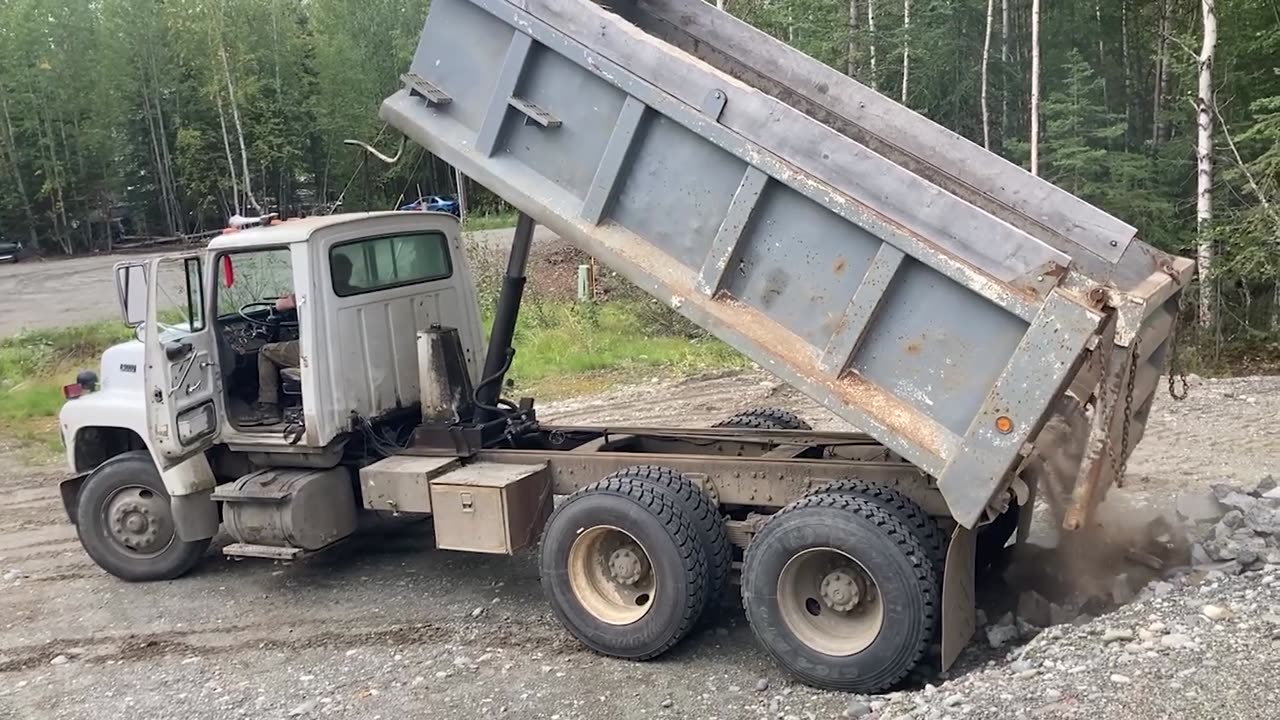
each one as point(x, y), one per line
point(247, 338)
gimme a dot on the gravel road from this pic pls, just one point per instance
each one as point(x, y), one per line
point(385, 627)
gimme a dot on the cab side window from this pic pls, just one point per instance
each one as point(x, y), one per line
point(389, 261)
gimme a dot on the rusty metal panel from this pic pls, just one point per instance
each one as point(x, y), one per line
point(401, 483)
point(491, 507)
point(1036, 374)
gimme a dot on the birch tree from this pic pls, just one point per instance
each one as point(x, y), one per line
point(986, 61)
point(851, 48)
point(1035, 87)
point(871, 40)
point(906, 47)
point(1204, 164)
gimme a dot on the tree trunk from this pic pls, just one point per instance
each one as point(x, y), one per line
point(986, 59)
point(1204, 164)
point(906, 47)
point(231, 164)
point(155, 156)
point(1102, 51)
point(871, 40)
point(235, 116)
point(851, 48)
point(1004, 71)
point(165, 157)
point(1035, 87)
point(1128, 91)
point(1162, 71)
point(17, 174)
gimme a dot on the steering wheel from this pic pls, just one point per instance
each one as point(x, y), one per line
point(273, 316)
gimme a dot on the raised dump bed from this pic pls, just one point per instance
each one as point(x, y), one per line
point(925, 290)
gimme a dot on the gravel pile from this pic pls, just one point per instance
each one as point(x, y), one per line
point(1199, 639)
point(1232, 526)
point(1208, 648)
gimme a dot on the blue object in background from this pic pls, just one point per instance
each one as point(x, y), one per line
point(434, 203)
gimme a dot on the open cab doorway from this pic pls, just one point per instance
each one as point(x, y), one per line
point(259, 337)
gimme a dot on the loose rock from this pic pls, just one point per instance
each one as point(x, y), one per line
point(998, 635)
point(1199, 507)
point(1116, 635)
point(1215, 612)
point(1034, 609)
point(857, 709)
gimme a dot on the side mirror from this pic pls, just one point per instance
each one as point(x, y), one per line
point(131, 286)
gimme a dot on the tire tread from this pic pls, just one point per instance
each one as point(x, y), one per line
point(912, 547)
point(667, 508)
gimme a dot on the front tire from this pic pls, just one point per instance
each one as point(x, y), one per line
point(841, 592)
point(125, 523)
point(623, 568)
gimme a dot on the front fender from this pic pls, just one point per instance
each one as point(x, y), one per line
point(125, 410)
point(107, 409)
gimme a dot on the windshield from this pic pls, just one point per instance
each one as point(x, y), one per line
point(252, 276)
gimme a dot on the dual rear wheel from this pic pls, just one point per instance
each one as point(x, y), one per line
point(841, 587)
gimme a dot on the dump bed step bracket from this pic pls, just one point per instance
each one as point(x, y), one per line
point(421, 87)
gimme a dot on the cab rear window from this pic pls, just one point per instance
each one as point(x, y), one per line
point(388, 261)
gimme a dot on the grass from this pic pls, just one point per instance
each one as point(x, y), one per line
point(33, 368)
point(489, 222)
point(565, 349)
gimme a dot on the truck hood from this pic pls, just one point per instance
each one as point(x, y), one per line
point(122, 366)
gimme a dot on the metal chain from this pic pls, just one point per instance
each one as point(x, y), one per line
point(1120, 463)
point(1174, 371)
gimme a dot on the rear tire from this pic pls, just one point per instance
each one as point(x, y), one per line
point(765, 418)
point(623, 568)
point(817, 576)
point(706, 519)
point(125, 523)
point(905, 509)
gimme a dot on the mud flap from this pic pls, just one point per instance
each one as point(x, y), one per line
point(959, 618)
point(70, 491)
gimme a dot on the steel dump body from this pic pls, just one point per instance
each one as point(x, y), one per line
point(930, 293)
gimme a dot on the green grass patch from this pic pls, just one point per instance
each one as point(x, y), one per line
point(565, 349)
point(489, 222)
point(35, 365)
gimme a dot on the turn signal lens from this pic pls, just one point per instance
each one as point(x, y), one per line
point(1004, 424)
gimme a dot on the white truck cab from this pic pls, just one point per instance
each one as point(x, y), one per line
point(179, 398)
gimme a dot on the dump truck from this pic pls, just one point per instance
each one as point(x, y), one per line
point(990, 335)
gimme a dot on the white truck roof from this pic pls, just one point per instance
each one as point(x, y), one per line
point(296, 230)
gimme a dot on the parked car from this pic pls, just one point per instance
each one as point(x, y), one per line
point(435, 203)
point(9, 250)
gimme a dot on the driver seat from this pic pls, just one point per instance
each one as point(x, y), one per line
point(291, 386)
